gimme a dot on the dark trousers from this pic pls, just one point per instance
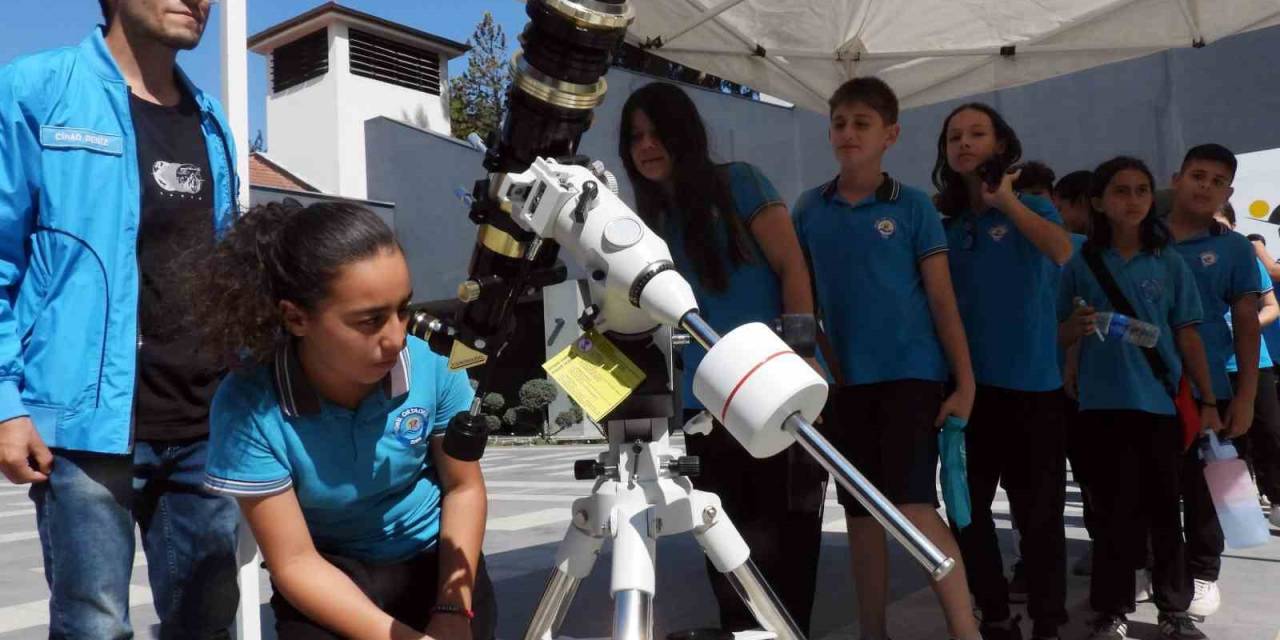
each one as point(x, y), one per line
point(406, 590)
point(1261, 446)
point(776, 504)
point(1135, 487)
point(1078, 456)
point(1018, 439)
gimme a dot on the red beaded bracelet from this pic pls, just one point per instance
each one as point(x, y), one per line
point(455, 609)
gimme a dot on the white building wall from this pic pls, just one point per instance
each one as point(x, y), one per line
point(317, 128)
point(302, 128)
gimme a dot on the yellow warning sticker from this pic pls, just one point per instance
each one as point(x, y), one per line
point(595, 374)
point(464, 357)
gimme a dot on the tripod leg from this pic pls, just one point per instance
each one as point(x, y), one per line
point(729, 554)
point(574, 559)
point(632, 615)
point(633, 581)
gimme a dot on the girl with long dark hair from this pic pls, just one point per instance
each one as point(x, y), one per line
point(731, 237)
point(1005, 252)
point(1126, 412)
point(328, 431)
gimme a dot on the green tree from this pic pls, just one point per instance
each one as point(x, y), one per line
point(493, 403)
point(478, 98)
point(536, 394)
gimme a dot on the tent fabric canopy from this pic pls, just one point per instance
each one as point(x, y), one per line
point(928, 50)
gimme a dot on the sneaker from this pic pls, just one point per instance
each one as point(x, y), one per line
point(1143, 592)
point(1084, 564)
point(1178, 626)
point(1275, 516)
point(1018, 584)
point(1005, 630)
point(1207, 599)
point(1107, 627)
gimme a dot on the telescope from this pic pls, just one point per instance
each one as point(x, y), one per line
point(538, 198)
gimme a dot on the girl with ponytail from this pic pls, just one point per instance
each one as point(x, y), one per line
point(327, 430)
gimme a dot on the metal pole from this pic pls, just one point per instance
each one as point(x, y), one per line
point(235, 87)
point(632, 615)
point(925, 552)
point(700, 330)
point(760, 599)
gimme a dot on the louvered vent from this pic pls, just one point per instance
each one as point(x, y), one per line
point(300, 60)
point(390, 61)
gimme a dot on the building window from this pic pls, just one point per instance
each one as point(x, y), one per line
point(300, 60)
point(390, 61)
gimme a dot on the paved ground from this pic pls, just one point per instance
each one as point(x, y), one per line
point(530, 489)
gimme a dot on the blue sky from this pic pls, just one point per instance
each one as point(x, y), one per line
point(33, 25)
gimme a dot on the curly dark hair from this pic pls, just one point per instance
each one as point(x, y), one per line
point(276, 251)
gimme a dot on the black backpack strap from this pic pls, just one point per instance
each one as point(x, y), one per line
point(1120, 303)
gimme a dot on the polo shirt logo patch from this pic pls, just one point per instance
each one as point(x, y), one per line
point(1151, 290)
point(411, 426)
point(886, 227)
point(1208, 258)
point(998, 232)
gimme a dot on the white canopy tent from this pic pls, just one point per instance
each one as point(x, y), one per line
point(928, 50)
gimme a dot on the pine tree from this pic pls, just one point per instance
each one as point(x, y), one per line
point(478, 98)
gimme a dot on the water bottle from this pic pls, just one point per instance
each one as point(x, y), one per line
point(1235, 497)
point(1131, 330)
point(954, 475)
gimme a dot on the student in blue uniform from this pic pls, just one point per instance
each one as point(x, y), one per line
point(1226, 271)
point(1005, 252)
point(1264, 437)
point(730, 236)
point(879, 259)
point(1071, 199)
point(1127, 414)
point(328, 432)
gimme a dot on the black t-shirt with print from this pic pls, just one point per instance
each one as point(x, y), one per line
point(176, 380)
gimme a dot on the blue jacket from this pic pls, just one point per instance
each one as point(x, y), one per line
point(69, 211)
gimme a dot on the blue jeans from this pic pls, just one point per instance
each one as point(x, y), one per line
point(86, 514)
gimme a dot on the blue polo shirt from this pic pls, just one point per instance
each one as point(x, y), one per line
point(865, 261)
point(754, 293)
point(1006, 291)
point(1264, 348)
point(1077, 241)
point(1225, 268)
point(363, 478)
point(1114, 374)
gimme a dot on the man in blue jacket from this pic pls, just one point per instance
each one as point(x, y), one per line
point(114, 172)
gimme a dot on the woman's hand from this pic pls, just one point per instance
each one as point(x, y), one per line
point(1209, 419)
point(958, 404)
point(448, 626)
point(1003, 196)
point(1082, 322)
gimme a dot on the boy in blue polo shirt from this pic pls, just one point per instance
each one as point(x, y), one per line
point(328, 431)
point(1226, 272)
point(879, 262)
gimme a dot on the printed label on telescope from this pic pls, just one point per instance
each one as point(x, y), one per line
point(464, 357)
point(595, 374)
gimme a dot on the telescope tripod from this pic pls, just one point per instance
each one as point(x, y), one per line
point(642, 493)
